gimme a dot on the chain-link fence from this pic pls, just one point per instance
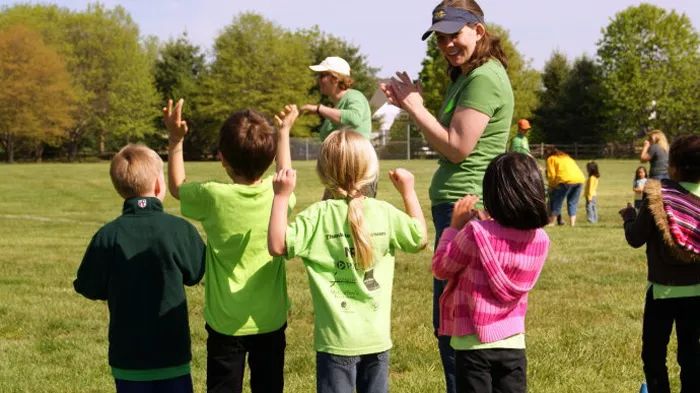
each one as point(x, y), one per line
point(418, 148)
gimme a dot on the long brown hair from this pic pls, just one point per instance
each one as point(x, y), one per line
point(487, 48)
point(347, 164)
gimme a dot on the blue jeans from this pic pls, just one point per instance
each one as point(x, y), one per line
point(342, 374)
point(181, 384)
point(570, 192)
point(442, 215)
point(592, 210)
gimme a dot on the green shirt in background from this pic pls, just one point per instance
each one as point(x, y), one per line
point(245, 288)
point(486, 89)
point(352, 308)
point(354, 114)
point(519, 144)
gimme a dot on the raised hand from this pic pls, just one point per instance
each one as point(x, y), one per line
point(172, 117)
point(402, 180)
point(284, 182)
point(402, 92)
point(309, 108)
point(286, 117)
point(628, 213)
point(464, 211)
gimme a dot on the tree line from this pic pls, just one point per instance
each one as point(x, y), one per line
point(86, 82)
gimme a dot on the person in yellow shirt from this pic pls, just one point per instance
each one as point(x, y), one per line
point(592, 192)
point(565, 181)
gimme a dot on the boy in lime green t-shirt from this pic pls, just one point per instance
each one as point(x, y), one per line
point(245, 294)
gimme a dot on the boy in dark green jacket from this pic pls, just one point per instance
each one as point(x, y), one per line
point(138, 263)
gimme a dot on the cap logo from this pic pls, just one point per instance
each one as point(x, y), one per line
point(439, 14)
point(142, 203)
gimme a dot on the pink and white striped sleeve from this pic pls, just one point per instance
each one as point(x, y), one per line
point(456, 250)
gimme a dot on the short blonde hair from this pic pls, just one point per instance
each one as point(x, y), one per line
point(134, 170)
point(348, 165)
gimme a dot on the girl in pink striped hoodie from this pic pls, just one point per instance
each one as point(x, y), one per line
point(490, 266)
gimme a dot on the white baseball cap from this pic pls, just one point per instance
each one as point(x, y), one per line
point(333, 63)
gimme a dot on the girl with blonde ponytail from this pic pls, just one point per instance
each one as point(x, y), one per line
point(347, 244)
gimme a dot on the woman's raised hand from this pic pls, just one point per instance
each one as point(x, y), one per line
point(402, 92)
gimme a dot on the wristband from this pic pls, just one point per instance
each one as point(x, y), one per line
point(318, 109)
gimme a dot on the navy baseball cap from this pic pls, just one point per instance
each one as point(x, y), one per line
point(450, 20)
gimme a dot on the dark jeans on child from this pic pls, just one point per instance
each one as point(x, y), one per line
point(226, 357)
point(491, 370)
point(659, 316)
point(442, 215)
point(181, 384)
point(343, 374)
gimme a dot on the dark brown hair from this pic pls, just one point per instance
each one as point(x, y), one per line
point(514, 192)
point(247, 144)
point(592, 169)
point(487, 48)
point(684, 157)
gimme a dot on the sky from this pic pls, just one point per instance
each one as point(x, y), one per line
point(388, 31)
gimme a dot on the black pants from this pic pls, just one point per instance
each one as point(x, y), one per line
point(491, 371)
point(659, 316)
point(226, 357)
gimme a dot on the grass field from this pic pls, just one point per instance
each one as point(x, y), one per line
point(583, 326)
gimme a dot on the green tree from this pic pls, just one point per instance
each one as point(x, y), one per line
point(36, 98)
point(179, 70)
point(110, 70)
point(583, 104)
point(433, 76)
point(650, 54)
point(549, 116)
point(114, 72)
point(257, 65)
point(524, 80)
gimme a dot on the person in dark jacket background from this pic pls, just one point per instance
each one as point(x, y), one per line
point(669, 224)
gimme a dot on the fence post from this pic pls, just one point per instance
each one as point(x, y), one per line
point(408, 141)
point(306, 151)
point(542, 149)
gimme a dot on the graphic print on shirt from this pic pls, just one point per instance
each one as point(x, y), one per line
point(345, 285)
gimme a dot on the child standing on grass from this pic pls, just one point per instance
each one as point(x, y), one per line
point(245, 298)
point(490, 266)
point(591, 192)
point(138, 263)
point(640, 179)
point(347, 244)
point(668, 222)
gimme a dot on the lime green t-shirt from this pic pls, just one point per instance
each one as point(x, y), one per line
point(471, 343)
point(486, 89)
point(245, 288)
point(352, 308)
point(519, 144)
point(354, 114)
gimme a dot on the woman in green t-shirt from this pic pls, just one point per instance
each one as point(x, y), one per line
point(350, 107)
point(470, 129)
